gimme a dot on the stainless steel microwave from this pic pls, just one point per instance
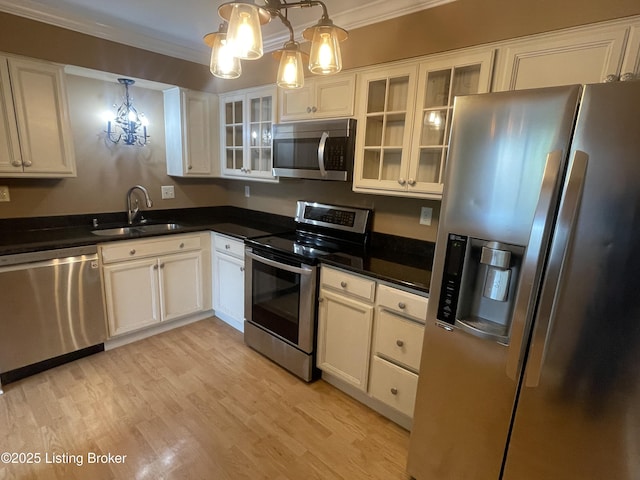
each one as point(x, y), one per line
point(321, 150)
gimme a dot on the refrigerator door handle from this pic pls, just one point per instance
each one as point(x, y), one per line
point(531, 271)
point(567, 214)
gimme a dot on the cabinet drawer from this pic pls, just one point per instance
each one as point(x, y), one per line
point(126, 250)
point(393, 385)
point(398, 339)
point(406, 303)
point(228, 245)
point(348, 283)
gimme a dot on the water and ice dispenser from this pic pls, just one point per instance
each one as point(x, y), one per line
point(479, 285)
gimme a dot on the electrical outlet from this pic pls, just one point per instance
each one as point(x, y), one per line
point(167, 192)
point(247, 191)
point(425, 215)
point(4, 193)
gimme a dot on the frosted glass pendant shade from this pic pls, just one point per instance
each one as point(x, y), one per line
point(244, 36)
point(290, 72)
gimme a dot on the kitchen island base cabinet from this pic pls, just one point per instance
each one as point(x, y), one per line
point(155, 280)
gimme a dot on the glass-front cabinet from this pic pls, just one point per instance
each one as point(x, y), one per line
point(247, 119)
point(406, 114)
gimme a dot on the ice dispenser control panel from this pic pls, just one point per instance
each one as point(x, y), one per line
point(452, 278)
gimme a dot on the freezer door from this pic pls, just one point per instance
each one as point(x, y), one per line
point(578, 413)
point(507, 156)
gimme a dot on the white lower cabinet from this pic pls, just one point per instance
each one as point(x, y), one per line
point(228, 280)
point(155, 280)
point(370, 340)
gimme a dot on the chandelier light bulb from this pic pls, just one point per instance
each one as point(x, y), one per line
point(290, 72)
point(244, 36)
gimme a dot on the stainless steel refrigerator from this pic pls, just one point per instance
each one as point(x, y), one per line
point(531, 357)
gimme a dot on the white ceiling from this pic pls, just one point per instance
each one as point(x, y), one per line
point(176, 27)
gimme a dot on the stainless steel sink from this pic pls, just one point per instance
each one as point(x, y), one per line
point(151, 228)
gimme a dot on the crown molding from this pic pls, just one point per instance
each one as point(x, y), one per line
point(158, 42)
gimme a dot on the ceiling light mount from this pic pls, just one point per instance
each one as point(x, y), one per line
point(243, 40)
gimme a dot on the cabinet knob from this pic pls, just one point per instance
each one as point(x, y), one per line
point(162, 265)
point(314, 109)
point(399, 343)
point(401, 306)
point(242, 269)
point(320, 299)
point(343, 284)
point(27, 163)
point(16, 163)
point(625, 77)
point(227, 246)
point(243, 169)
point(402, 181)
point(132, 251)
point(394, 391)
point(181, 245)
point(190, 167)
point(412, 182)
point(308, 109)
point(155, 267)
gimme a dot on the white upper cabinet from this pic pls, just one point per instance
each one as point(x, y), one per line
point(246, 120)
point(404, 121)
point(631, 62)
point(35, 132)
point(321, 97)
point(582, 55)
point(191, 133)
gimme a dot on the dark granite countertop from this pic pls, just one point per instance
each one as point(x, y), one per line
point(48, 233)
point(399, 260)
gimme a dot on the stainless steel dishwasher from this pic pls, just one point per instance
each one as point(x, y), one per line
point(51, 306)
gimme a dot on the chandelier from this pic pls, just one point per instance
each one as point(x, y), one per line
point(240, 38)
point(127, 125)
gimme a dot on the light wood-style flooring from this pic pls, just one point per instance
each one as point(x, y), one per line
point(192, 403)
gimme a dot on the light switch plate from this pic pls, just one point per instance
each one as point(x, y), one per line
point(4, 193)
point(168, 192)
point(425, 215)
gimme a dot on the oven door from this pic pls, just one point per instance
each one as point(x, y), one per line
point(280, 297)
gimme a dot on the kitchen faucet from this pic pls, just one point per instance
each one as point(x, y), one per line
point(132, 213)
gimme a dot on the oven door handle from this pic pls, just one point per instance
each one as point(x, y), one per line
point(304, 270)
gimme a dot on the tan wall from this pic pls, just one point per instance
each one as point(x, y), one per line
point(106, 172)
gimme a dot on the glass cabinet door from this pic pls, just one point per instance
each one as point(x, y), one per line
point(439, 84)
point(384, 130)
point(259, 142)
point(233, 140)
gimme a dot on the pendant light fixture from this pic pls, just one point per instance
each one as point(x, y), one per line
point(223, 64)
point(127, 125)
point(244, 40)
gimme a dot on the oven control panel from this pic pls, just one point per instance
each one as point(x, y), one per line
point(351, 219)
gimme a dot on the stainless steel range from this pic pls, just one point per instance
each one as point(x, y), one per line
point(281, 281)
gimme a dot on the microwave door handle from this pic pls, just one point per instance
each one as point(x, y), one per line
point(321, 146)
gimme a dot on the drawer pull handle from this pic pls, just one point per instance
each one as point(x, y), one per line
point(227, 246)
point(399, 343)
point(132, 251)
point(401, 306)
point(182, 245)
point(394, 391)
point(343, 284)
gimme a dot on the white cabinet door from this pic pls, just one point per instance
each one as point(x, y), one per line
point(586, 55)
point(41, 116)
point(327, 97)
point(131, 295)
point(631, 63)
point(383, 141)
point(191, 133)
point(180, 285)
point(344, 338)
point(10, 156)
point(246, 120)
point(228, 288)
